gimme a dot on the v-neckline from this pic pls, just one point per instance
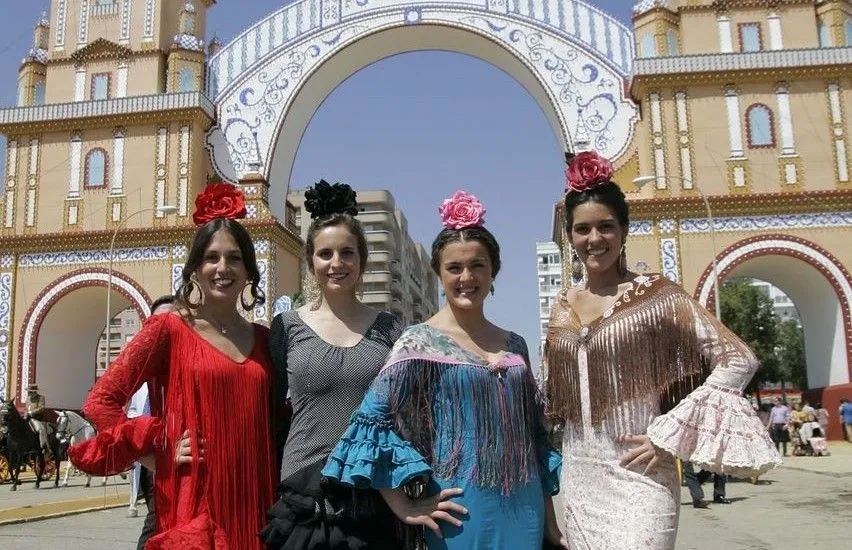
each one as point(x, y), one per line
point(222, 352)
point(608, 312)
point(327, 343)
point(501, 356)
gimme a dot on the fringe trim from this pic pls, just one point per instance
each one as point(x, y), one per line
point(427, 398)
point(654, 344)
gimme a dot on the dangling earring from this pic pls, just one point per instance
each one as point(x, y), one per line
point(247, 307)
point(622, 261)
point(492, 289)
point(186, 290)
point(576, 267)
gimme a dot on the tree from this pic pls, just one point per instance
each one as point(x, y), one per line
point(791, 353)
point(750, 314)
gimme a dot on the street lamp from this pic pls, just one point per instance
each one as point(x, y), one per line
point(642, 180)
point(166, 209)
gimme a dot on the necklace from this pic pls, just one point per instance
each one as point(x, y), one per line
point(219, 325)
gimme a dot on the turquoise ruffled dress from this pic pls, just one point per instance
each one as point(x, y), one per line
point(442, 414)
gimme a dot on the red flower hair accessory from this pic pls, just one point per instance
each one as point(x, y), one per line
point(461, 210)
point(219, 200)
point(586, 171)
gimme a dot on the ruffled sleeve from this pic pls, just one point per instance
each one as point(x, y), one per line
point(121, 440)
point(714, 426)
point(371, 454)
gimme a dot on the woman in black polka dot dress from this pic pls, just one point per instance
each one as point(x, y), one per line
point(326, 354)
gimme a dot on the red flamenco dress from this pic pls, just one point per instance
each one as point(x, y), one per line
point(220, 502)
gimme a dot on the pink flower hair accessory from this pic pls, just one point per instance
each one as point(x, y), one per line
point(586, 171)
point(461, 210)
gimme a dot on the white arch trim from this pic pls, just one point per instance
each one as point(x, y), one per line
point(257, 80)
point(818, 257)
point(48, 299)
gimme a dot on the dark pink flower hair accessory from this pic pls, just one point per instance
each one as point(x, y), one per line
point(586, 171)
point(462, 210)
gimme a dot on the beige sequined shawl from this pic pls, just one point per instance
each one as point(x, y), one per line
point(655, 339)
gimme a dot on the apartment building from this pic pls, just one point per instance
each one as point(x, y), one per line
point(549, 261)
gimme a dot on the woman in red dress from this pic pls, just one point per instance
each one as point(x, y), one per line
point(209, 438)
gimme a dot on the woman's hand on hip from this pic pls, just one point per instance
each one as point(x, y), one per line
point(183, 449)
point(644, 456)
point(425, 511)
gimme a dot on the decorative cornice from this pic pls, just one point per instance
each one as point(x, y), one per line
point(268, 229)
point(145, 108)
point(721, 67)
point(752, 204)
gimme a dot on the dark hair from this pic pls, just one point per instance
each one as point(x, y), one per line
point(608, 194)
point(201, 241)
point(164, 300)
point(475, 233)
point(330, 206)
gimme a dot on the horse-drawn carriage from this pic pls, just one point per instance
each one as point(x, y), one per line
point(21, 448)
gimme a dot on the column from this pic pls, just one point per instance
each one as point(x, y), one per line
point(774, 24)
point(117, 173)
point(83, 28)
point(684, 140)
point(838, 133)
point(80, 83)
point(735, 132)
point(74, 165)
point(659, 155)
point(11, 180)
point(121, 79)
point(726, 44)
point(785, 120)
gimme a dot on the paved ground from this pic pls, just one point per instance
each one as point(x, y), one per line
point(805, 504)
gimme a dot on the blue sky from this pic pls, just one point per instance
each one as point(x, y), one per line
point(421, 125)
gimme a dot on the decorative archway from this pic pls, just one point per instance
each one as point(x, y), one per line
point(269, 81)
point(824, 302)
point(50, 299)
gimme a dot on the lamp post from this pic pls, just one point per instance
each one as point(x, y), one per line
point(167, 209)
point(642, 180)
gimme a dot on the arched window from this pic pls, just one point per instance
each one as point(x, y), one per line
point(186, 80)
point(671, 42)
point(824, 35)
point(96, 168)
point(761, 132)
point(38, 94)
point(649, 47)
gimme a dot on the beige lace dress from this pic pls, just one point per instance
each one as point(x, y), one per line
point(655, 363)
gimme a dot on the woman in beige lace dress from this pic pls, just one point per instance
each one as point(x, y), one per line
point(638, 373)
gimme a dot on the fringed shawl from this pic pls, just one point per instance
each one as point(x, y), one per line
point(442, 397)
point(654, 340)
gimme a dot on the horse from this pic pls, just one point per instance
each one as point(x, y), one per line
point(22, 442)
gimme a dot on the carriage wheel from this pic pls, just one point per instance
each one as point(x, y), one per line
point(5, 474)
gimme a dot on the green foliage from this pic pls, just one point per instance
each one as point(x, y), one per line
point(749, 313)
point(791, 353)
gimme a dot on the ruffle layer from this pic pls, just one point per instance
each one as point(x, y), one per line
point(301, 522)
point(114, 450)
point(717, 430)
point(551, 470)
point(371, 455)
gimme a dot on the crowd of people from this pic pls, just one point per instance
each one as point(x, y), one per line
point(803, 426)
point(339, 428)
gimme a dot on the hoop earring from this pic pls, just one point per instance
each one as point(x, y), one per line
point(492, 289)
point(254, 299)
point(576, 267)
point(185, 292)
point(622, 261)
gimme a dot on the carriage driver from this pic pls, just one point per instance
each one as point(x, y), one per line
point(35, 414)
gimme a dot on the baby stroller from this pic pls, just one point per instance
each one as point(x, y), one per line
point(811, 440)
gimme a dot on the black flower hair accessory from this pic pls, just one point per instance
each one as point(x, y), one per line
point(326, 199)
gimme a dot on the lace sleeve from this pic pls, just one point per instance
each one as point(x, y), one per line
point(714, 426)
point(145, 357)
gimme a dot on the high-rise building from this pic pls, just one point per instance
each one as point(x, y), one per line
point(549, 260)
point(782, 304)
point(398, 278)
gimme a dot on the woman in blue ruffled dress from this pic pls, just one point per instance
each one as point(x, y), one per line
point(456, 406)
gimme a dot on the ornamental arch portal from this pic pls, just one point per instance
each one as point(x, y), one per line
point(817, 282)
point(61, 330)
point(269, 81)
